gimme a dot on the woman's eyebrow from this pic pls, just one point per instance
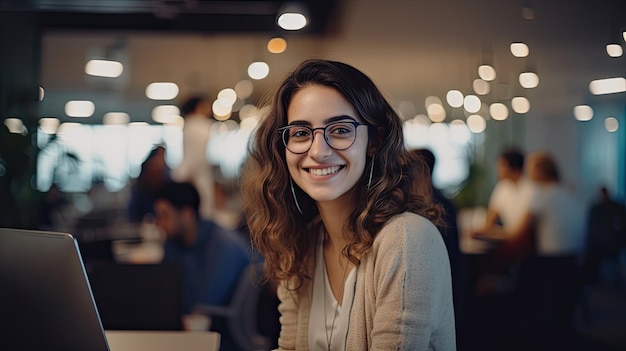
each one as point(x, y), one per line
point(326, 121)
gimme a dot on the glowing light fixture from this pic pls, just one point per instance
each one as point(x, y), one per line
point(520, 104)
point(519, 49)
point(614, 50)
point(292, 21)
point(229, 95)
point(277, 45)
point(49, 125)
point(244, 89)
point(476, 124)
point(611, 124)
point(162, 91)
point(607, 86)
point(258, 70)
point(104, 68)
point(166, 114)
point(41, 94)
point(454, 98)
point(529, 80)
point(487, 72)
point(471, 103)
point(222, 108)
point(436, 113)
point(583, 113)
point(498, 111)
point(79, 108)
point(15, 125)
point(481, 87)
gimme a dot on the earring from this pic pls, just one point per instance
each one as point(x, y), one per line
point(369, 182)
point(293, 192)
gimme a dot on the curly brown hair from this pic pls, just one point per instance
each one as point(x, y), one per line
point(284, 236)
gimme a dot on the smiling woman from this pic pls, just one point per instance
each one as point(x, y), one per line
point(331, 204)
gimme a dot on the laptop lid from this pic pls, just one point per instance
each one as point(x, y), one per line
point(45, 298)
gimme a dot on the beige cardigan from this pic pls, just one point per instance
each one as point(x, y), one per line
point(402, 298)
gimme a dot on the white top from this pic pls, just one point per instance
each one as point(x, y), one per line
point(510, 200)
point(560, 221)
point(318, 335)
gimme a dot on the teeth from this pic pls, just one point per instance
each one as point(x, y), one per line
point(323, 171)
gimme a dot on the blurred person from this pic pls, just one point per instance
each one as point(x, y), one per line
point(509, 197)
point(549, 240)
point(331, 204)
point(51, 207)
point(605, 237)
point(153, 175)
point(195, 167)
point(450, 234)
point(212, 257)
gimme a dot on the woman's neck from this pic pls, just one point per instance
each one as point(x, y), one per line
point(334, 217)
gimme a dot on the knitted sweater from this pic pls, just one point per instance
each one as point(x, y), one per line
point(402, 298)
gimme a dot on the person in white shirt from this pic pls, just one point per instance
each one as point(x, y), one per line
point(194, 167)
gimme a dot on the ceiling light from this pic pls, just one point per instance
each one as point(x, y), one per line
point(519, 49)
point(476, 124)
point(471, 103)
point(15, 125)
point(292, 20)
point(258, 70)
point(529, 80)
point(436, 113)
point(49, 125)
point(79, 108)
point(520, 104)
point(498, 111)
point(583, 113)
point(454, 98)
point(165, 114)
point(222, 108)
point(104, 68)
point(244, 89)
point(486, 72)
point(162, 91)
point(276, 45)
point(481, 87)
point(614, 50)
point(611, 124)
point(607, 86)
point(229, 95)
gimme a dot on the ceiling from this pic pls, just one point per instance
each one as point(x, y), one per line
point(411, 49)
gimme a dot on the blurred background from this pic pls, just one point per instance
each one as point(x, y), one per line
point(89, 88)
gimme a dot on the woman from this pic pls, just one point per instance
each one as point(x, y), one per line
point(330, 204)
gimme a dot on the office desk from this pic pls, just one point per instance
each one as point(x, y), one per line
point(121, 340)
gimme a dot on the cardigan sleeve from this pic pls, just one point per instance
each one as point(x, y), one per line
point(413, 288)
point(288, 309)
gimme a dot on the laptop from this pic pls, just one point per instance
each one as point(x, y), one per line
point(45, 298)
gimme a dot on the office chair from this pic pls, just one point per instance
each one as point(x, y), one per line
point(240, 314)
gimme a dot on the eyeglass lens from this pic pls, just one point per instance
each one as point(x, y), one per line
point(339, 136)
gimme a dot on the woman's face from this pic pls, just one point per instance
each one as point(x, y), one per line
point(324, 173)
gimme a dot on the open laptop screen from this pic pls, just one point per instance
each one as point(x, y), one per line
point(45, 299)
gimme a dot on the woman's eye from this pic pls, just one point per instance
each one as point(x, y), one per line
point(300, 133)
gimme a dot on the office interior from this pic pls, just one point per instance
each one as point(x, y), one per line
point(428, 57)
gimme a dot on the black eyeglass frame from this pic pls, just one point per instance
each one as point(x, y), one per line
point(282, 130)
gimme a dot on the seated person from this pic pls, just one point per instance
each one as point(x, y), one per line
point(212, 257)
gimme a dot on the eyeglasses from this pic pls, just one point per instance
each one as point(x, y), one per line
point(338, 135)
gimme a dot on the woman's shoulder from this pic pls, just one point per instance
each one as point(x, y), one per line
point(407, 228)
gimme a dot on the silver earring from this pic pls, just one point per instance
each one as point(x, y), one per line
point(369, 182)
point(293, 192)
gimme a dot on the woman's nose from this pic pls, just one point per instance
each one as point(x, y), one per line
point(319, 146)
